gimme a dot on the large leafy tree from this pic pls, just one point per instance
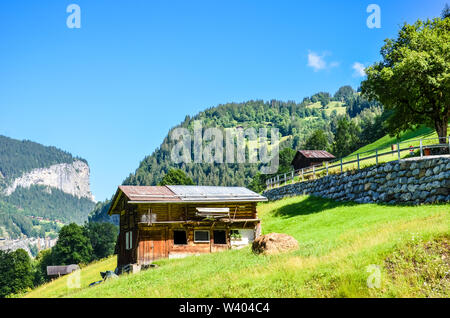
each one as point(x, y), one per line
point(445, 12)
point(258, 183)
point(16, 272)
point(346, 138)
point(413, 79)
point(317, 141)
point(103, 237)
point(176, 177)
point(285, 158)
point(344, 94)
point(73, 246)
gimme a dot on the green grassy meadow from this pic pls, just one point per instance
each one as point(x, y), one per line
point(406, 139)
point(340, 245)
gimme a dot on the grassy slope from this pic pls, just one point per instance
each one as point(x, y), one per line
point(337, 243)
point(89, 274)
point(337, 106)
point(406, 139)
point(383, 144)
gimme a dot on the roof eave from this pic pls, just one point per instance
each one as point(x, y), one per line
point(199, 201)
point(114, 201)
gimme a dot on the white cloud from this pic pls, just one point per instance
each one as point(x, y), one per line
point(334, 64)
point(359, 69)
point(317, 62)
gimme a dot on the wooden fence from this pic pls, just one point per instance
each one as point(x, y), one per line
point(353, 162)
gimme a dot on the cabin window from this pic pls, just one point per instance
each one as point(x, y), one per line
point(201, 236)
point(179, 237)
point(220, 237)
point(128, 240)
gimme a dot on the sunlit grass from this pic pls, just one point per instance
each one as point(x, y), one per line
point(59, 287)
point(382, 145)
point(337, 242)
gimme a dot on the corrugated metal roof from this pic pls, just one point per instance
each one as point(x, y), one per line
point(213, 193)
point(316, 154)
point(182, 193)
point(149, 193)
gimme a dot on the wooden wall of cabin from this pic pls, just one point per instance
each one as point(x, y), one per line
point(128, 223)
point(182, 212)
point(171, 249)
point(304, 162)
point(130, 220)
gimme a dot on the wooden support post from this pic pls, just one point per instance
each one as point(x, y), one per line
point(314, 172)
point(302, 175)
point(376, 156)
point(292, 176)
point(398, 151)
point(341, 166)
point(448, 144)
point(421, 149)
point(326, 164)
point(285, 179)
point(357, 159)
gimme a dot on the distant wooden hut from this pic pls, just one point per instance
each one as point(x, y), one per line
point(56, 271)
point(177, 221)
point(308, 158)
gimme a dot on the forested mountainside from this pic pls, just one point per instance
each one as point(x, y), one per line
point(296, 123)
point(19, 156)
point(40, 185)
point(100, 213)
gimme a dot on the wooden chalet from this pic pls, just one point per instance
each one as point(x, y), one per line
point(308, 158)
point(177, 221)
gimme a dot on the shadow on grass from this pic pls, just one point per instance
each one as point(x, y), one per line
point(309, 205)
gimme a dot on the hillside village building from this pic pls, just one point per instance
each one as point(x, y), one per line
point(308, 158)
point(177, 221)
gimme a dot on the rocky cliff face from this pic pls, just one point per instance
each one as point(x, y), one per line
point(70, 178)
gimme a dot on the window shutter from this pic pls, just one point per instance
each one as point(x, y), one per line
point(127, 240)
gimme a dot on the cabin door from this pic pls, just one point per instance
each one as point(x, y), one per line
point(152, 246)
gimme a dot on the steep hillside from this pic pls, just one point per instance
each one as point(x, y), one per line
point(40, 181)
point(295, 121)
point(406, 139)
point(342, 245)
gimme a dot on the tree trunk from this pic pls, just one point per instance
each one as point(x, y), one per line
point(441, 128)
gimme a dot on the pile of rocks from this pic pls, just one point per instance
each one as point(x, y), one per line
point(411, 181)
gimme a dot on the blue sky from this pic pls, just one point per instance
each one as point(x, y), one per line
point(110, 91)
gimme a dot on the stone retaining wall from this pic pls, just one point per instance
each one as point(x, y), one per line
point(410, 181)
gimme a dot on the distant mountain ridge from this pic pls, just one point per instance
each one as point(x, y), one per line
point(19, 156)
point(40, 181)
